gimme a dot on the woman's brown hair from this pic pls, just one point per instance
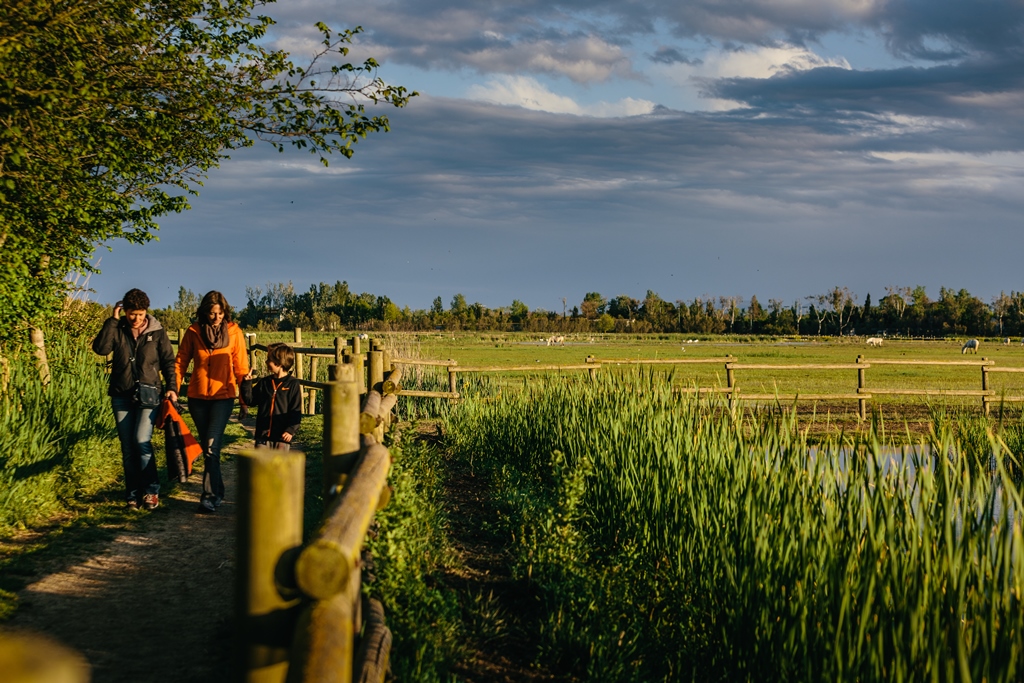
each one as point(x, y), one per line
point(213, 298)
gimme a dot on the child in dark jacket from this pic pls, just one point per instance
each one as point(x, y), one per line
point(277, 397)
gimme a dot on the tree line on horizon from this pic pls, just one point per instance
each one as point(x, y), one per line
point(903, 311)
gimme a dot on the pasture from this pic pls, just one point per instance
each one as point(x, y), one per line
point(473, 349)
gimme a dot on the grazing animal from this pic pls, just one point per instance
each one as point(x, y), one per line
point(970, 345)
point(1006, 342)
point(364, 336)
point(874, 341)
point(556, 340)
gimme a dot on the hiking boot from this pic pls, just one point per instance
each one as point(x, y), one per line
point(151, 501)
point(132, 504)
point(206, 507)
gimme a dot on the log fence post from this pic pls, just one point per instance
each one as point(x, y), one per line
point(862, 403)
point(730, 382)
point(592, 371)
point(984, 387)
point(452, 380)
point(376, 383)
point(270, 502)
point(313, 363)
point(298, 364)
point(341, 429)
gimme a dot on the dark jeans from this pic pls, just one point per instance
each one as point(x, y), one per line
point(135, 432)
point(211, 418)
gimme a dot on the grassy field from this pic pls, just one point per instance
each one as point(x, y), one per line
point(519, 349)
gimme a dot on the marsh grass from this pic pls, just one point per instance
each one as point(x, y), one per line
point(57, 443)
point(672, 539)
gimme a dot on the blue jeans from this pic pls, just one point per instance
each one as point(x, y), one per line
point(135, 432)
point(211, 418)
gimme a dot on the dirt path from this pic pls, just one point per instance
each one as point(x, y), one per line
point(155, 604)
point(503, 646)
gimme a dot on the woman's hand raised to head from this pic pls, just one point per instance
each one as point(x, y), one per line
point(117, 311)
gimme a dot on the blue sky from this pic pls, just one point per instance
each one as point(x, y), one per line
point(713, 147)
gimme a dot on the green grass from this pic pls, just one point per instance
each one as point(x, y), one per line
point(672, 542)
point(57, 443)
point(510, 349)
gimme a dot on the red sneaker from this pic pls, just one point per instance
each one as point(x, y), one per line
point(151, 501)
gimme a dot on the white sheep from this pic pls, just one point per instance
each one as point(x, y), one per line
point(874, 341)
point(970, 345)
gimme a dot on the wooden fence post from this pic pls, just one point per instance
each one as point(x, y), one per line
point(33, 658)
point(451, 377)
point(339, 347)
point(984, 387)
point(312, 378)
point(270, 501)
point(592, 371)
point(376, 383)
point(730, 382)
point(862, 404)
point(341, 429)
point(250, 341)
point(36, 335)
point(298, 364)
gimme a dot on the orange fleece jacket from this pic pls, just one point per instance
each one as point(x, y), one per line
point(216, 373)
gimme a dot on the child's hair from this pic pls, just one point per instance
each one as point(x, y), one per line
point(281, 354)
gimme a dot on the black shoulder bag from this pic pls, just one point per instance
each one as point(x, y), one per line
point(146, 395)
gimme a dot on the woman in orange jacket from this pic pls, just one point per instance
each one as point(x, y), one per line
point(215, 347)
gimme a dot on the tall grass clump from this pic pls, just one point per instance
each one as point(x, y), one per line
point(411, 551)
point(57, 443)
point(670, 540)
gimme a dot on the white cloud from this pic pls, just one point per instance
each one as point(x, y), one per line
point(762, 62)
point(527, 92)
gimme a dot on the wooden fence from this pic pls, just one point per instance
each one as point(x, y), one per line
point(301, 615)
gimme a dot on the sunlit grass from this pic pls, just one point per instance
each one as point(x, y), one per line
point(672, 540)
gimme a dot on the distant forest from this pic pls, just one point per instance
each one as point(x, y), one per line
point(902, 311)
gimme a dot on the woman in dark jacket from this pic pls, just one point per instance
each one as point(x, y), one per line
point(141, 353)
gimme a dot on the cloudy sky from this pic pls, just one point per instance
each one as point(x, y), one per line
point(694, 147)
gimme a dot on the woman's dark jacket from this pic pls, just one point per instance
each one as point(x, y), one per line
point(278, 405)
point(152, 352)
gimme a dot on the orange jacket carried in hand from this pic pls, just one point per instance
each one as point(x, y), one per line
point(182, 448)
point(216, 373)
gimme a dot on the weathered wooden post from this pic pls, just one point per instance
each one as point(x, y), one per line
point(376, 384)
point(313, 362)
point(36, 336)
point(250, 342)
point(298, 363)
point(33, 658)
point(341, 429)
point(730, 382)
point(181, 335)
point(451, 376)
point(270, 496)
point(984, 386)
point(862, 404)
point(388, 368)
point(592, 372)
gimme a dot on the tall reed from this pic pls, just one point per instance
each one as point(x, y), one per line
point(56, 441)
point(672, 541)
